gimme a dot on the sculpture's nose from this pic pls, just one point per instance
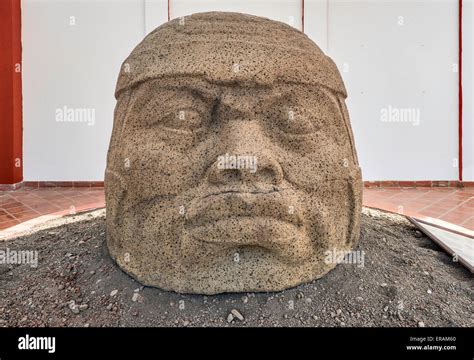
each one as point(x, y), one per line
point(245, 159)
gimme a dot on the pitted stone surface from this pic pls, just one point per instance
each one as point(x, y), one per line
point(232, 165)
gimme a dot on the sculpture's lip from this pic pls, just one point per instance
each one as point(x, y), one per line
point(263, 232)
point(234, 205)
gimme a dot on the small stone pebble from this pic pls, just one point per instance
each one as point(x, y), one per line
point(74, 309)
point(237, 314)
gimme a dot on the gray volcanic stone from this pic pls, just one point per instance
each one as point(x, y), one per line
point(232, 165)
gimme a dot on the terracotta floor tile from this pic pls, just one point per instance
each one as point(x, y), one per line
point(462, 209)
point(469, 202)
point(62, 202)
point(445, 204)
point(24, 198)
point(419, 204)
point(469, 223)
point(47, 209)
point(432, 214)
point(6, 200)
point(7, 224)
point(26, 216)
point(451, 203)
point(465, 208)
point(7, 217)
point(438, 207)
point(456, 217)
point(11, 204)
point(3, 212)
point(18, 209)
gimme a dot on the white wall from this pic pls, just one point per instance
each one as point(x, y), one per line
point(74, 66)
point(400, 54)
point(383, 62)
point(316, 22)
point(468, 91)
point(156, 13)
point(287, 11)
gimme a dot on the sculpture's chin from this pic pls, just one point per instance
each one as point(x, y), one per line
point(190, 264)
point(249, 269)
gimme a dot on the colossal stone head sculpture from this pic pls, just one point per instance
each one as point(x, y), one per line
point(232, 165)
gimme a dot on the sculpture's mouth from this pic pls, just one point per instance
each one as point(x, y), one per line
point(231, 205)
point(265, 219)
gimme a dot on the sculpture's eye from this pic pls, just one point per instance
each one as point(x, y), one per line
point(293, 121)
point(185, 120)
point(174, 110)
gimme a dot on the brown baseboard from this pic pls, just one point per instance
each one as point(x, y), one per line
point(63, 184)
point(419, 184)
point(10, 187)
point(367, 184)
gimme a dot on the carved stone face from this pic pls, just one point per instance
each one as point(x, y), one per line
point(232, 165)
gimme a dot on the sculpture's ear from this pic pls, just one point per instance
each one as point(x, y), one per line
point(355, 186)
point(115, 191)
point(120, 113)
point(355, 181)
point(114, 184)
point(335, 81)
point(347, 123)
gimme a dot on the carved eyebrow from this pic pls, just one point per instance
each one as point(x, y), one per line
point(200, 92)
point(239, 109)
point(290, 96)
point(205, 95)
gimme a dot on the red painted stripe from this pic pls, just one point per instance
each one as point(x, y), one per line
point(11, 156)
point(169, 10)
point(460, 116)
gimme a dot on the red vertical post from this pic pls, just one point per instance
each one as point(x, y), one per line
point(11, 128)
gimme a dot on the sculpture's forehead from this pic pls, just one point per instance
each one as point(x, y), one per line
point(229, 48)
point(189, 90)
